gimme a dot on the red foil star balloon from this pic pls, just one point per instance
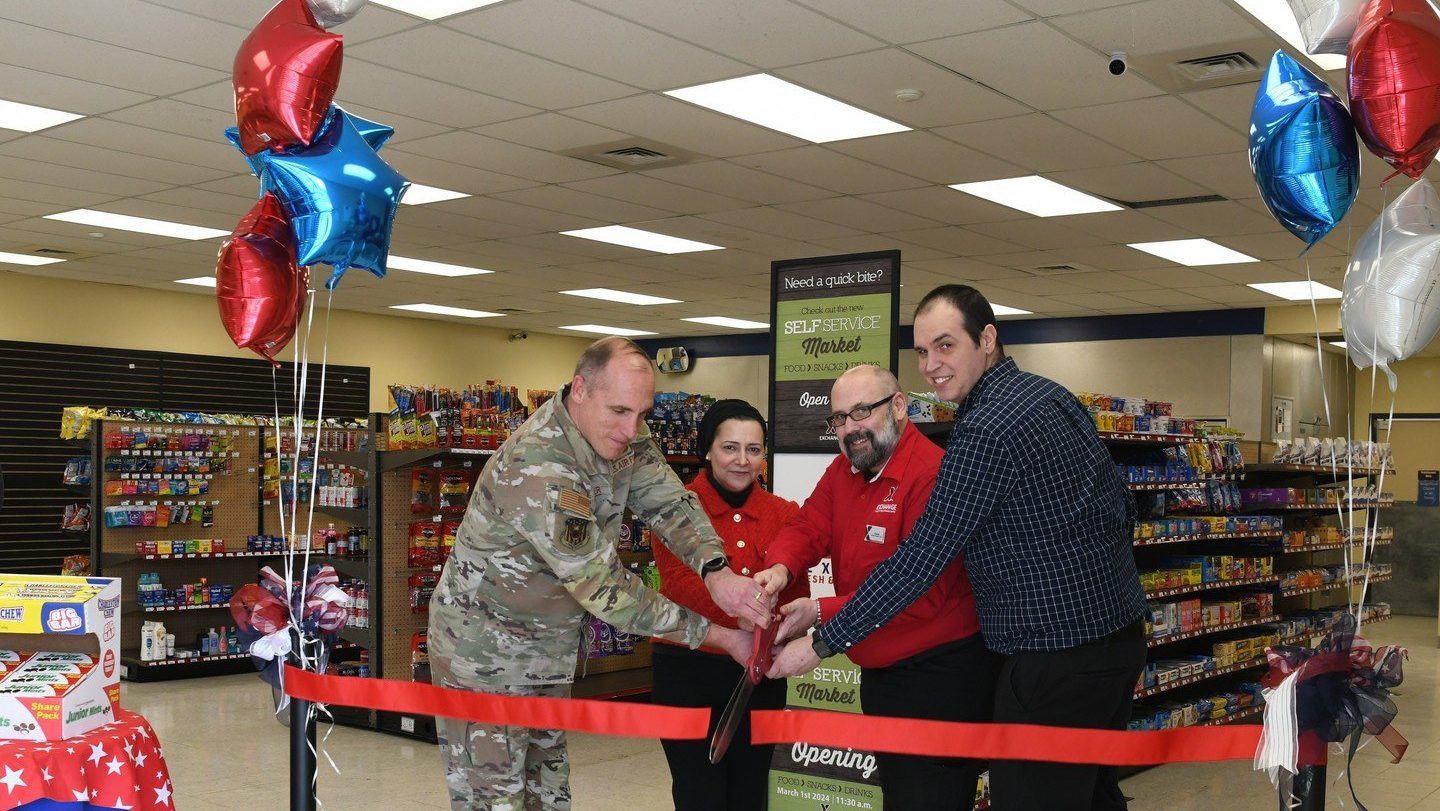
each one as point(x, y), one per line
point(260, 289)
point(1394, 82)
point(285, 77)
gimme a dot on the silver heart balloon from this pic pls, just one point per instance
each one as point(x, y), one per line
point(331, 13)
point(1391, 304)
point(1326, 25)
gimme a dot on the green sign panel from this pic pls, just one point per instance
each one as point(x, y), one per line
point(820, 338)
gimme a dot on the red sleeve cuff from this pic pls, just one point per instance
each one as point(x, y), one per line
point(830, 606)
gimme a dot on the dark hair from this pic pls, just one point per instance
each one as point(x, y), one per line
point(599, 354)
point(721, 411)
point(975, 311)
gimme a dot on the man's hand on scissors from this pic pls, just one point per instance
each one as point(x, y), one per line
point(795, 658)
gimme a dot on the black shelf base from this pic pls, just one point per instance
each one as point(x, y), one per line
point(138, 671)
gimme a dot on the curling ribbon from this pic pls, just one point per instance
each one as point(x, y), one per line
point(873, 733)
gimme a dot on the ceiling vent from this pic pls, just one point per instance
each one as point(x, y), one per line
point(516, 311)
point(1057, 268)
point(1172, 201)
point(633, 154)
point(54, 252)
point(1219, 68)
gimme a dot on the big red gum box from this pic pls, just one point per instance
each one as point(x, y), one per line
point(60, 650)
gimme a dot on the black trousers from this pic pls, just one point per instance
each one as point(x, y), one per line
point(740, 781)
point(952, 682)
point(1090, 686)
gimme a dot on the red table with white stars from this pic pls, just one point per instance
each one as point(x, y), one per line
point(118, 766)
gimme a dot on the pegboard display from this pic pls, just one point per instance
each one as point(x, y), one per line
point(174, 505)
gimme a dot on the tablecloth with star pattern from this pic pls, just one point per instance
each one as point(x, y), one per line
point(117, 766)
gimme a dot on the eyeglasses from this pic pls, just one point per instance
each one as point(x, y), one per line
point(857, 413)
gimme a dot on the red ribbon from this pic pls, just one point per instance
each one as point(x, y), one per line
point(574, 714)
point(910, 736)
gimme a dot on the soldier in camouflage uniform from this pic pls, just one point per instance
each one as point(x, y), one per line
point(537, 550)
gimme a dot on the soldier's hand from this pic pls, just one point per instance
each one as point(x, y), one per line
point(738, 644)
point(740, 597)
point(798, 616)
point(774, 579)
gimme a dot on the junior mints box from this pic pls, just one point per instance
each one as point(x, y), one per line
point(59, 655)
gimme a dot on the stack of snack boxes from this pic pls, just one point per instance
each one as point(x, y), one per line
point(60, 655)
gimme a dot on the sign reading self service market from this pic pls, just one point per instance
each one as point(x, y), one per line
point(810, 777)
point(829, 314)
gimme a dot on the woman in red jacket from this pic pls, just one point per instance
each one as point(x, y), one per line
point(746, 517)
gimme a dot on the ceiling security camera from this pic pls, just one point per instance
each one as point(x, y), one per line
point(519, 335)
point(1118, 63)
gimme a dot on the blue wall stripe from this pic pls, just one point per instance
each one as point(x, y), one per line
point(1250, 321)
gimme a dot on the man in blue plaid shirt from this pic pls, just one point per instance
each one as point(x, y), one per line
point(1030, 497)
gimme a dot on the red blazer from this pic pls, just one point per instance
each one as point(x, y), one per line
point(859, 523)
point(747, 533)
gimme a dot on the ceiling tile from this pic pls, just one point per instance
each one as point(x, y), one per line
point(580, 204)
point(551, 131)
point(1038, 142)
point(861, 215)
point(59, 92)
point(1129, 225)
point(1058, 73)
point(1038, 233)
point(1218, 219)
point(600, 43)
point(85, 156)
point(214, 153)
point(1253, 274)
point(471, 149)
point(1108, 282)
point(1133, 182)
point(768, 220)
point(870, 80)
point(1050, 8)
point(538, 219)
point(1164, 298)
point(1232, 295)
point(687, 126)
point(1175, 277)
point(829, 169)
point(188, 38)
point(879, 242)
point(54, 52)
point(74, 177)
point(1226, 174)
point(643, 189)
point(1040, 286)
point(451, 175)
point(763, 33)
point(1098, 301)
point(944, 204)
point(929, 157)
point(740, 182)
point(1157, 27)
point(1187, 131)
point(487, 68)
point(955, 269)
point(958, 241)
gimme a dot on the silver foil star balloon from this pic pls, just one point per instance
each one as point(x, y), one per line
point(1326, 25)
point(330, 13)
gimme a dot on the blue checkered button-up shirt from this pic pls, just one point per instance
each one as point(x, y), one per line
point(1030, 496)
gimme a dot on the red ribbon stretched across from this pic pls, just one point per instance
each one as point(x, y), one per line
point(867, 732)
point(574, 714)
point(910, 736)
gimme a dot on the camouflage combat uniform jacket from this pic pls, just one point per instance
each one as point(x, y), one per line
point(537, 549)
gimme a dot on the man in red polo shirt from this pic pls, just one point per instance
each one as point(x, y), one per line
point(928, 662)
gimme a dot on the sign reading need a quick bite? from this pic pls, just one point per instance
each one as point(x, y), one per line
point(829, 314)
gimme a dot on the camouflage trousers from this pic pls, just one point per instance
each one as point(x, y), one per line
point(501, 768)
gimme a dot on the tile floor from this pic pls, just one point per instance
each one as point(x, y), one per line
point(226, 752)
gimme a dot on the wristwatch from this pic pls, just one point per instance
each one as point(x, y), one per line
point(712, 566)
point(817, 644)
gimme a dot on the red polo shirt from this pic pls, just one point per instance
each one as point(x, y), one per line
point(859, 523)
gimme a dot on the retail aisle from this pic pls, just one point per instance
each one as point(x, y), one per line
point(226, 751)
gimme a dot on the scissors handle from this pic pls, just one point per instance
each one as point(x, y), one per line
point(760, 655)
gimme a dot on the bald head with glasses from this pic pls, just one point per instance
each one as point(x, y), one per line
point(868, 414)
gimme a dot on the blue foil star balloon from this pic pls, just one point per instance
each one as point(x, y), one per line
point(341, 198)
point(1302, 150)
point(374, 133)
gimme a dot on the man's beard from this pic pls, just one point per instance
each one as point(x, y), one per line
point(881, 445)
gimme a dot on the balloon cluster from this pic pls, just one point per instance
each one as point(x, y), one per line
point(326, 194)
point(1306, 163)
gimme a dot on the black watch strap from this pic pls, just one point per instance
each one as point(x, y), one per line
point(817, 644)
point(712, 566)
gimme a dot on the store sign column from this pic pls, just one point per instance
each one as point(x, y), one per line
point(829, 314)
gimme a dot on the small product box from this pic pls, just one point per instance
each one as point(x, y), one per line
point(60, 643)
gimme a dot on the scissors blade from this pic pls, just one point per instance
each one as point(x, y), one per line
point(730, 719)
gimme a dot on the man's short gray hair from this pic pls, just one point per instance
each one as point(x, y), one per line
point(598, 355)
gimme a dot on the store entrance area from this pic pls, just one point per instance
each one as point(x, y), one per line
point(245, 766)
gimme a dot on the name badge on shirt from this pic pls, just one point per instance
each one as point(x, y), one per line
point(874, 534)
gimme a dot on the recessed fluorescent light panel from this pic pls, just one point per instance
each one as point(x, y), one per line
point(644, 240)
point(433, 9)
point(29, 118)
point(27, 259)
point(775, 103)
point(140, 225)
point(1036, 195)
point(1277, 16)
point(440, 309)
point(732, 323)
point(1001, 309)
point(198, 281)
point(1297, 291)
point(1193, 252)
point(606, 294)
point(432, 268)
point(600, 329)
point(419, 194)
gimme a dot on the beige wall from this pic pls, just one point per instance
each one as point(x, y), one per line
point(397, 349)
point(1295, 373)
point(744, 376)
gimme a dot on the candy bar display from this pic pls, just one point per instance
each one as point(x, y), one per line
point(1320, 497)
point(479, 416)
point(1319, 576)
point(1195, 570)
point(1166, 619)
point(603, 639)
point(1246, 697)
point(75, 421)
point(675, 421)
point(1202, 526)
point(1188, 462)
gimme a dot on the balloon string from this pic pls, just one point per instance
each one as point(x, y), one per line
point(275, 435)
point(315, 457)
